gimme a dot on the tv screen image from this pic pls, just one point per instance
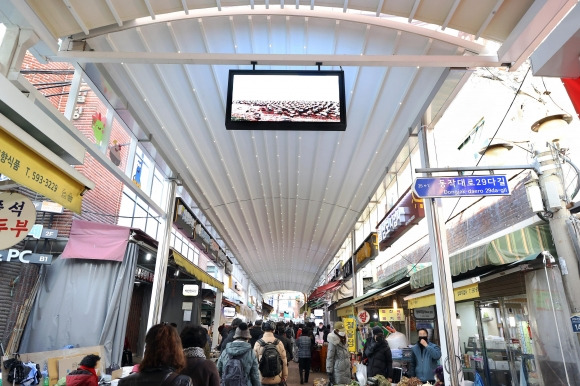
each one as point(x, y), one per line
point(285, 100)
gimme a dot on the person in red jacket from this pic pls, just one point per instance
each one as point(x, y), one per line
point(85, 374)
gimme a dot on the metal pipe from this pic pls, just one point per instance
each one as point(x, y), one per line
point(547, 256)
point(162, 260)
point(444, 294)
point(475, 168)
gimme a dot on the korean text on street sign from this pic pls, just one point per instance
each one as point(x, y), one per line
point(391, 315)
point(17, 216)
point(461, 186)
point(29, 169)
point(575, 323)
point(350, 326)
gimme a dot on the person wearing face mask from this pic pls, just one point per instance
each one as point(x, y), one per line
point(378, 352)
point(425, 358)
point(338, 357)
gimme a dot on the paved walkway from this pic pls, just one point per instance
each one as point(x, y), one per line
point(294, 375)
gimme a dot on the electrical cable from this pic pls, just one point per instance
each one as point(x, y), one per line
point(494, 134)
point(549, 94)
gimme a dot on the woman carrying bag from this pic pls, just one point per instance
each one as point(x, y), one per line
point(338, 357)
point(378, 353)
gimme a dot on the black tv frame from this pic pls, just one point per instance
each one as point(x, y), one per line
point(284, 125)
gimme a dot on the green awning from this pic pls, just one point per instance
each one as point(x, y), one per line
point(523, 244)
point(390, 279)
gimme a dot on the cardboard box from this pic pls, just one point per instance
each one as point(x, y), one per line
point(51, 360)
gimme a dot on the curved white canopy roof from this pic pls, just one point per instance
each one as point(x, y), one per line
point(282, 201)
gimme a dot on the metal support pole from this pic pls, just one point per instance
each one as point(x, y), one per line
point(162, 260)
point(216, 318)
point(73, 94)
point(354, 281)
point(553, 190)
point(444, 295)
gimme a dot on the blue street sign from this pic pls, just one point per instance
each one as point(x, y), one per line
point(461, 186)
point(575, 323)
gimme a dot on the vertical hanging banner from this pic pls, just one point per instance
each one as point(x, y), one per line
point(17, 217)
point(350, 326)
point(26, 167)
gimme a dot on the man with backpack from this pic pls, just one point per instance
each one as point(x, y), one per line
point(271, 356)
point(238, 365)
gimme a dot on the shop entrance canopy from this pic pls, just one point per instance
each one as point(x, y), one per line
point(194, 270)
point(324, 289)
point(520, 245)
point(283, 202)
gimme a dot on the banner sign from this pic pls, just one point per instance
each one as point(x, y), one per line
point(408, 211)
point(350, 326)
point(26, 257)
point(391, 315)
point(184, 218)
point(26, 167)
point(424, 312)
point(347, 268)
point(363, 317)
point(190, 290)
point(17, 217)
point(367, 251)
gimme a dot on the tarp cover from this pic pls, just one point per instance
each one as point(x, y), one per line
point(82, 303)
point(91, 240)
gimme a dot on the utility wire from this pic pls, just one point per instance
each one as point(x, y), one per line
point(494, 134)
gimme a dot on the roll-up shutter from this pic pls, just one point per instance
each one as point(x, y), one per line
point(508, 285)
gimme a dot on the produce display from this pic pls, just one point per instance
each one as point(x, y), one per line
point(410, 382)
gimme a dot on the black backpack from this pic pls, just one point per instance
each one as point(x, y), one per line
point(270, 363)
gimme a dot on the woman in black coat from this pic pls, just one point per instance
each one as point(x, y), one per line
point(378, 353)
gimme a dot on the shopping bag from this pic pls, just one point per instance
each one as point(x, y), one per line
point(478, 380)
point(361, 374)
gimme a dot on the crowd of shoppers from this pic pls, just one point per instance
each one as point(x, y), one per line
point(258, 355)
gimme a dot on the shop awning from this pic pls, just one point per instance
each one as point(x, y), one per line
point(464, 290)
point(391, 278)
point(324, 289)
point(229, 303)
point(573, 88)
point(517, 246)
point(96, 241)
point(194, 270)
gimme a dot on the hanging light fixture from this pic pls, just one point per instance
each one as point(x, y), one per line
point(458, 320)
point(148, 257)
point(395, 303)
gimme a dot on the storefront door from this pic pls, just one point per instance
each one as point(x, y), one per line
point(504, 343)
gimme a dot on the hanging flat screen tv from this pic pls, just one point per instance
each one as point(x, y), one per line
point(286, 100)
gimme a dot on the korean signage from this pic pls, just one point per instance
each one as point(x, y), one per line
point(350, 326)
point(184, 218)
point(190, 290)
point(424, 312)
point(26, 257)
point(391, 315)
point(461, 186)
point(229, 312)
point(347, 268)
point(48, 206)
point(17, 217)
point(467, 292)
point(367, 251)
point(363, 317)
point(334, 273)
point(407, 212)
point(29, 169)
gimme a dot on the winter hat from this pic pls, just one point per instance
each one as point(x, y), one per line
point(340, 327)
point(242, 332)
point(378, 331)
point(236, 322)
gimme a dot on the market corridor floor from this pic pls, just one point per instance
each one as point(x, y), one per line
point(294, 375)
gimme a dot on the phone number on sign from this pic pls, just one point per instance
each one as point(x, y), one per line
point(37, 177)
